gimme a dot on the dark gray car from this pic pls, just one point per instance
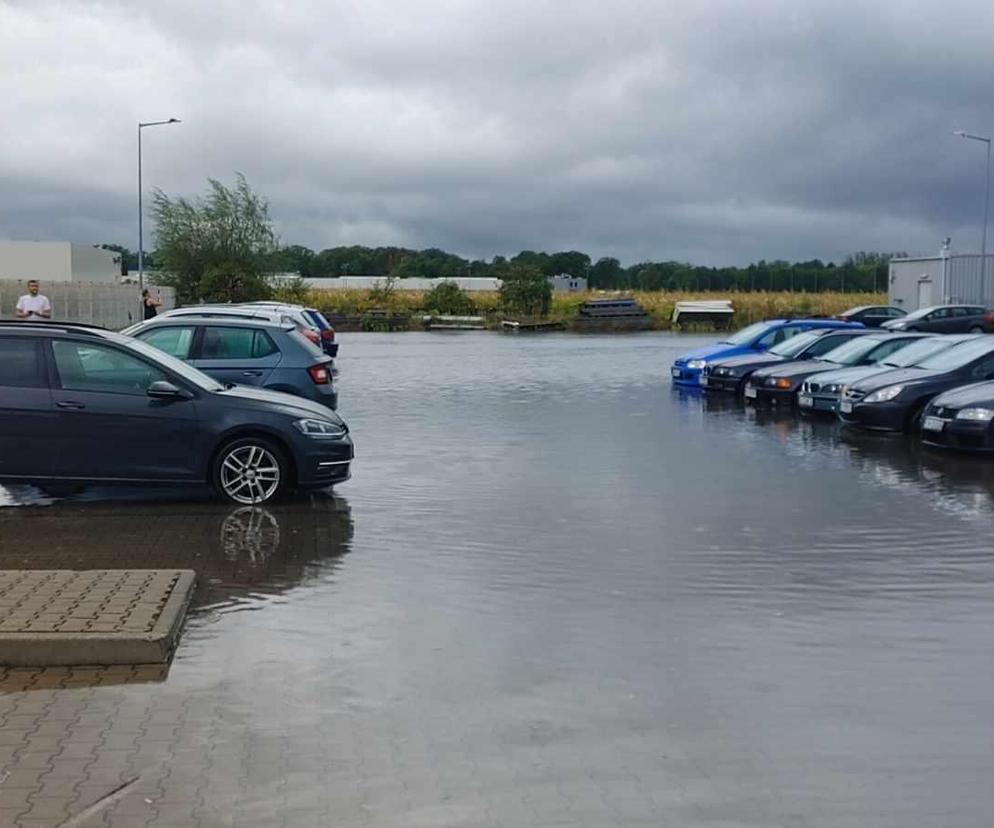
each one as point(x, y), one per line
point(245, 352)
point(945, 319)
point(86, 405)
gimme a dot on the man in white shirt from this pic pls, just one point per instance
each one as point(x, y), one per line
point(34, 305)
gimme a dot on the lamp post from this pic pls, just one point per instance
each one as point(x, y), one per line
point(141, 245)
point(987, 198)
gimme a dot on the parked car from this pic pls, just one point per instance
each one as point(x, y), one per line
point(84, 405)
point(779, 383)
point(961, 418)
point(873, 316)
point(264, 313)
point(730, 374)
point(945, 319)
point(822, 392)
point(245, 352)
point(312, 316)
point(756, 338)
point(894, 401)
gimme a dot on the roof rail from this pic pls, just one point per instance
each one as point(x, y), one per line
point(80, 327)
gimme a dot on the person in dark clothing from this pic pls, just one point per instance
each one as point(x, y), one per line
point(150, 303)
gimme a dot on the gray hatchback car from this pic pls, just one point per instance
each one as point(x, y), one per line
point(245, 352)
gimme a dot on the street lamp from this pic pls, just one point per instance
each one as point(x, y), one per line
point(141, 245)
point(987, 198)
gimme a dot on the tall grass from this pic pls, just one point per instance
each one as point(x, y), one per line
point(749, 307)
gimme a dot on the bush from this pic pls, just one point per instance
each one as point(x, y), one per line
point(526, 291)
point(448, 299)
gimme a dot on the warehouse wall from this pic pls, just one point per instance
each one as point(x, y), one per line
point(95, 303)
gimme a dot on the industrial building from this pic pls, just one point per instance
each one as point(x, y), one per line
point(949, 278)
point(58, 261)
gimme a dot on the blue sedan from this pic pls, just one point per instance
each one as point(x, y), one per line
point(759, 336)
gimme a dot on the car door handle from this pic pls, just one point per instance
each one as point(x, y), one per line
point(251, 373)
point(70, 404)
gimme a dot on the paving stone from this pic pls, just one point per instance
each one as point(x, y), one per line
point(103, 617)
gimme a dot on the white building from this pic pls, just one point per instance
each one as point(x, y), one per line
point(948, 278)
point(55, 261)
point(560, 284)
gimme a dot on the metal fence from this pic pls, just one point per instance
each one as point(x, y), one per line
point(95, 303)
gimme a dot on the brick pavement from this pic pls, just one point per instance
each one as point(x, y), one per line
point(53, 617)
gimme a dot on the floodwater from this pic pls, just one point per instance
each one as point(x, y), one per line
point(557, 591)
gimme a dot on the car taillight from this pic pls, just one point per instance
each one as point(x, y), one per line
point(989, 316)
point(312, 335)
point(319, 374)
point(328, 334)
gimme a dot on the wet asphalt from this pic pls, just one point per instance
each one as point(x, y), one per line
point(557, 591)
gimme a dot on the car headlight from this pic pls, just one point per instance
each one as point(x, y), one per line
point(830, 389)
point(320, 429)
point(697, 364)
point(884, 394)
point(979, 415)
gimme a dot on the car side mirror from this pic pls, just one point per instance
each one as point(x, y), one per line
point(162, 390)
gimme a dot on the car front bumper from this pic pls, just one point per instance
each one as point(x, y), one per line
point(886, 416)
point(727, 385)
point(682, 375)
point(817, 403)
point(963, 435)
point(770, 396)
point(323, 462)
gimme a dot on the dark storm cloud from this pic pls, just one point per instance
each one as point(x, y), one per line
point(716, 132)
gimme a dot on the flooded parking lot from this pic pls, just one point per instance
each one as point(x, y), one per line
point(556, 592)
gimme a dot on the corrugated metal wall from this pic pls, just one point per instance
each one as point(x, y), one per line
point(965, 281)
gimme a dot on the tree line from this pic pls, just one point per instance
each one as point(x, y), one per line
point(223, 244)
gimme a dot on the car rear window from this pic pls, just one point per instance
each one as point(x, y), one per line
point(318, 319)
point(20, 363)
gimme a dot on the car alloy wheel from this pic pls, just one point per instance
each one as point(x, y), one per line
point(976, 329)
point(249, 471)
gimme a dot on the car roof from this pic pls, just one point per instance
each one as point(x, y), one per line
point(218, 321)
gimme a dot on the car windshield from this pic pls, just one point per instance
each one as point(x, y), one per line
point(915, 352)
point(795, 344)
point(852, 351)
point(748, 334)
point(918, 314)
point(959, 355)
point(187, 372)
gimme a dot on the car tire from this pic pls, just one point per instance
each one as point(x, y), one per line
point(60, 490)
point(976, 329)
point(250, 471)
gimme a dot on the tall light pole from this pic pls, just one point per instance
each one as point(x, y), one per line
point(141, 240)
point(987, 198)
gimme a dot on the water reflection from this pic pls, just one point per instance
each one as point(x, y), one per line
point(241, 554)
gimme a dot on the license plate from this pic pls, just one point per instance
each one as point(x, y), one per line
point(704, 382)
point(750, 392)
point(676, 372)
point(805, 401)
point(933, 424)
point(845, 407)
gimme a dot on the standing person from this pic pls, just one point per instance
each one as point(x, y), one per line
point(34, 305)
point(150, 303)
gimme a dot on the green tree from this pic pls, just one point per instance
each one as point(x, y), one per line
point(219, 247)
point(526, 290)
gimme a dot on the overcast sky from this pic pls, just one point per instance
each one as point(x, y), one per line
point(711, 132)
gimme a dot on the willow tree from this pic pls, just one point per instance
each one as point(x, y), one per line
point(219, 247)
